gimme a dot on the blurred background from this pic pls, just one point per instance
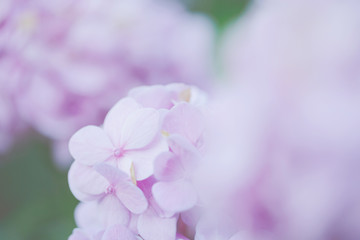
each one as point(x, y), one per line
point(35, 201)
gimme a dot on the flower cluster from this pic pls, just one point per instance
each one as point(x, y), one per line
point(134, 175)
point(72, 60)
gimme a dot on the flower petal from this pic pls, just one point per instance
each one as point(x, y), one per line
point(112, 174)
point(111, 211)
point(82, 234)
point(181, 237)
point(116, 118)
point(140, 128)
point(186, 120)
point(79, 234)
point(153, 227)
point(86, 215)
point(167, 167)
point(156, 96)
point(119, 232)
point(185, 151)
point(131, 196)
point(85, 183)
point(144, 159)
point(175, 196)
point(90, 145)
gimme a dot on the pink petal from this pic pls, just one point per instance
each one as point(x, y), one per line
point(167, 167)
point(140, 128)
point(181, 237)
point(119, 232)
point(90, 145)
point(146, 185)
point(124, 164)
point(144, 159)
point(78, 234)
point(86, 216)
point(111, 211)
point(82, 234)
point(157, 96)
point(191, 217)
point(115, 119)
point(112, 174)
point(186, 120)
point(133, 222)
point(85, 183)
point(175, 196)
point(127, 192)
point(131, 196)
point(239, 236)
point(186, 152)
point(153, 227)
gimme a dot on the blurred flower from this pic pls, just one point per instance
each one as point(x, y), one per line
point(72, 61)
point(291, 121)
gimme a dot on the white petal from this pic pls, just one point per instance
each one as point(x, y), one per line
point(85, 183)
point(112, 211)
point(115, 119)
point(90, 145)
point(140, 128)
point(144, 159)
point(131, 196)
point(153, 227)
point(175, 196)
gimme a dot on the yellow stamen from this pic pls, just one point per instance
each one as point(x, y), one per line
point(132, 172)
point(165, 133)
point(185, 95)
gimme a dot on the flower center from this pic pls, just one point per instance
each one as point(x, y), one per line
point(118, 153)
point(185, 95)
point(110, 190)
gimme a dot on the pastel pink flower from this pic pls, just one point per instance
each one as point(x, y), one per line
point(116, 232)
point(151, 226)
point(79, 234)
point(186, 120)
point(113, 190)
point(130, 135)
point(167, 96)
point(175, 192)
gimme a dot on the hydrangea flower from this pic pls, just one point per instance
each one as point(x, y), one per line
point(121, 169)
point(130, 137)
point(175, 192)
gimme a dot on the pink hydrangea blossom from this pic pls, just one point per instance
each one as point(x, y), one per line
point(130, 137)
point(175, 192)
point(148, 146)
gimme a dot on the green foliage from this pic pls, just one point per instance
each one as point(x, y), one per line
point(35, 201)
point(221, 11)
